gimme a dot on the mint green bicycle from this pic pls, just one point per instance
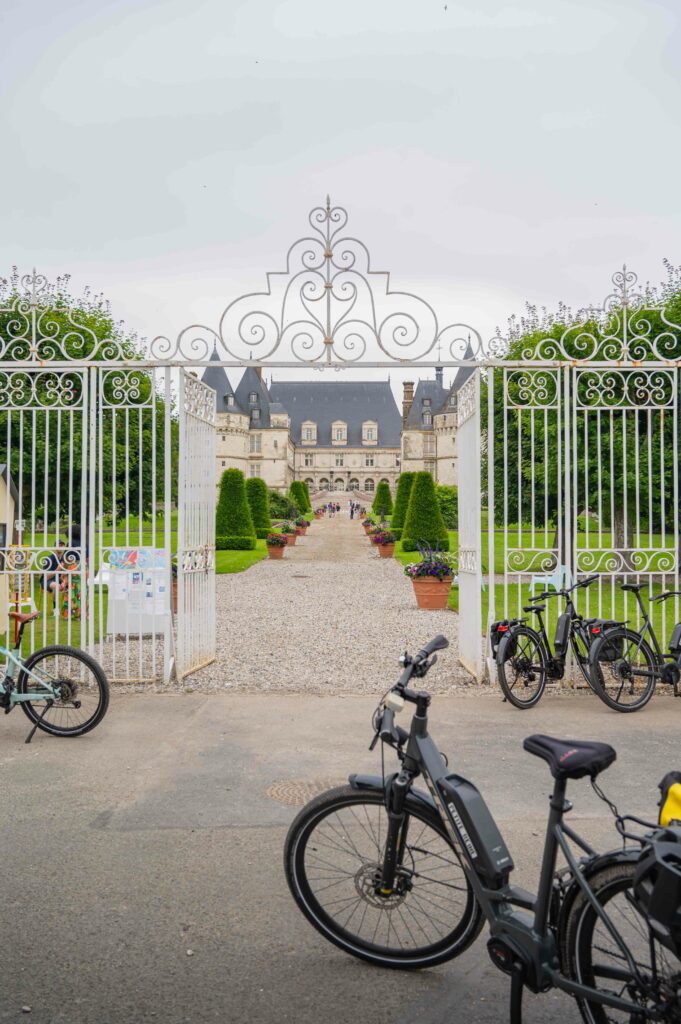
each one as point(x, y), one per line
point(62, 690)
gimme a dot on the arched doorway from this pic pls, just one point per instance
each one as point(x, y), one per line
point(369, 485)
point(339, 484)
point(324, 484)
point(354, 484)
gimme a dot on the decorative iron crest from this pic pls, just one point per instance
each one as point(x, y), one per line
point(36, 330)
point(622, 329)
point(328, 307)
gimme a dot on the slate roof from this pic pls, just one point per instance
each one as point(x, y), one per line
point(216, 378)
point(431, 391)
point(350, 401)
point(250, 384)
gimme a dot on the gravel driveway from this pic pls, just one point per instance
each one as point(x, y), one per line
point(331, 617)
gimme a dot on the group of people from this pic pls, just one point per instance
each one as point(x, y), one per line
point(355, 509)
point(332, 507)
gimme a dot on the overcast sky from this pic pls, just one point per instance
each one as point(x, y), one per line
point(487, 152)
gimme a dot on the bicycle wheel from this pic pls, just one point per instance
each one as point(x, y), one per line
point(333, 858)
point(591, 955)
point(617, 660)
point(522, 672)
point(82, 687)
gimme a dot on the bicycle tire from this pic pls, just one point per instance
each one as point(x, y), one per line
point(601, 669)
point(47, 723)
point(518, 663)
point(586, 944)
point(306, 830)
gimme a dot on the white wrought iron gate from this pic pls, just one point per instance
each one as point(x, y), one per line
point(196, 526)
point(470, 562)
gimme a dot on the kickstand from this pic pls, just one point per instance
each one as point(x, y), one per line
point(517, 985)
point(37, 724)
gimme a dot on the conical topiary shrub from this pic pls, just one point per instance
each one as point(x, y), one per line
point(307, 495)
point(404, 486)
point(299, 497)
point(259, 504)
point(234, 530)
point(424, 523)
point(383, 501)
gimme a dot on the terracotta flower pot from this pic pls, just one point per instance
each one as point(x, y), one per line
point(290, 538)
point(276, 551)
point(431, 594)
point(386, 550)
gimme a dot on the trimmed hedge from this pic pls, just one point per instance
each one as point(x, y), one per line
point(299, 497)
point(424, 523)
point(383, 499)
point(404, 486)
point(233, 518)
point(306, 489)
point(279, 504)
point(262, 534)
point(448, 500)
point(235, 543)
point(259, 504)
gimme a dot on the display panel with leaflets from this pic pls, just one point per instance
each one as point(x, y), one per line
point(139, 590)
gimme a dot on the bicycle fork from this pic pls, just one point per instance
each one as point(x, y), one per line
point(396, 839)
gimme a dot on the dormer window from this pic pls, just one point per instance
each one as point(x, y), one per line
point(427, 418)
point(369, 432)
point(255, 413)
point(339, 432)
point(229, 399)
point(253, 397)
point(308, 432)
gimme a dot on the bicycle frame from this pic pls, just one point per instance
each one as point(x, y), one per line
point(521, 920)
point(16, 665)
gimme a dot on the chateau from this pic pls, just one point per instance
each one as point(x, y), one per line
point(338, 436)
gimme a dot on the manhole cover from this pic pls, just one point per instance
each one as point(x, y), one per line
point(297, 792)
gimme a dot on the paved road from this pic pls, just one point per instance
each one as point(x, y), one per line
point(155, 835)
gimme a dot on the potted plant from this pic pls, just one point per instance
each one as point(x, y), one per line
point(301, 525)
point(289, 532)
point(385, 542)
point(431, 578)
point(368, 525)
point(276, 542)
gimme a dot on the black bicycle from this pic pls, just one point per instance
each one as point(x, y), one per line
point(524, 657)
point(625, 667)
point(405, 878)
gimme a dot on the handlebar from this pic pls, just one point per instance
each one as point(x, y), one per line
point(564, 593)
point(438, 643)
point(667, 594)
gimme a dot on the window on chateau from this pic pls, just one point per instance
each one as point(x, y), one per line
point(255, 469)
point(224, 463)
point(309, 460)
point(255, 413)
point(368, 460)
point(339, 460)
point(308, 433)
point(230, 399)
point(255, 443)
point(339, 433)
point(253, 397)
point(427, 419)
point(370, 434)
point(224, 438)
point(428, 446)
point(426, 402)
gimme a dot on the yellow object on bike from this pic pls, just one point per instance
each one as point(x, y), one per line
point(670, 800)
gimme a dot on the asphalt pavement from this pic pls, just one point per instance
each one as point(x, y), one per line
point(142, 864)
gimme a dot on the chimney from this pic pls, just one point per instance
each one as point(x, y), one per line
point(407, 399)
point(438, 376)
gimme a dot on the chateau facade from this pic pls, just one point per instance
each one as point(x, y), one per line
point(339, 436)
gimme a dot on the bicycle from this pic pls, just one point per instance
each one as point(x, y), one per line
point(524, 657)
point(62, 690)
point(625, 668)
point(404, 878)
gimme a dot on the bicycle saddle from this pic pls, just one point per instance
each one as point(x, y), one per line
point(571, 759)
point(535, 608)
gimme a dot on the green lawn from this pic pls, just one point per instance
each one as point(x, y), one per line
point(237, 561)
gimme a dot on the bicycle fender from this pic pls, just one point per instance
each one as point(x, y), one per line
point(619, 856)
point(375, 782)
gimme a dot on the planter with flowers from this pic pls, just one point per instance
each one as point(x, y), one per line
point(276, 542)
point(289, 532)
point(385, 542)
point(431, 578)
point(301, 526)
point(368, 525)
